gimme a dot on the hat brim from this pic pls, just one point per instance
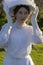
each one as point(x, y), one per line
point(13, 3)
point(12, 9)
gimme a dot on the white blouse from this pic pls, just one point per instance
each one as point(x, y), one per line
point(17, 41)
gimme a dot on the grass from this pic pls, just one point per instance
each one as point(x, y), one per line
point(36, 54)
point(2, 54)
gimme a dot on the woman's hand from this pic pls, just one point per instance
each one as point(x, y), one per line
point(33, 18)
point(35, 13)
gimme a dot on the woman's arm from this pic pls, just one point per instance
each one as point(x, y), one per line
point(5, 31)
point(4, 34)
point(37, 36)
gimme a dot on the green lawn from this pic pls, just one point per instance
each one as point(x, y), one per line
point(2, 54)
point(36, 54)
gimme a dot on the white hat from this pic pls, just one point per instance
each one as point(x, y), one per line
point(11, 3)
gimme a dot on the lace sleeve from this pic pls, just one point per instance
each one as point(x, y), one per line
point(36, 38)
point(4, 34)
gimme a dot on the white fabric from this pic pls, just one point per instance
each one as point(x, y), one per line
point(34, 22)
point(18, 44)
point(11, 3)
point(37, 31)
point(6, 9)
point(17, 61)
point(4, 33)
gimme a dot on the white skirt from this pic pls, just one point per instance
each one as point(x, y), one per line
point(17, 61)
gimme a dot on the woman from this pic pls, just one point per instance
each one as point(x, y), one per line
point(17, 38)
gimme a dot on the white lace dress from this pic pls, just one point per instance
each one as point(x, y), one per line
point(17, 43)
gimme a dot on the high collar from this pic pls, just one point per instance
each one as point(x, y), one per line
point(18, 25)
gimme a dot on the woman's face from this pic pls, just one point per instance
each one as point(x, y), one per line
point(22, 15)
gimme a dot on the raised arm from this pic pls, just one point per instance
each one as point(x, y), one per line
point(37, 36)
point(5, 31)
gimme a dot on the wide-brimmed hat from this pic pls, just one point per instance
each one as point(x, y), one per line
point(11, 4)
